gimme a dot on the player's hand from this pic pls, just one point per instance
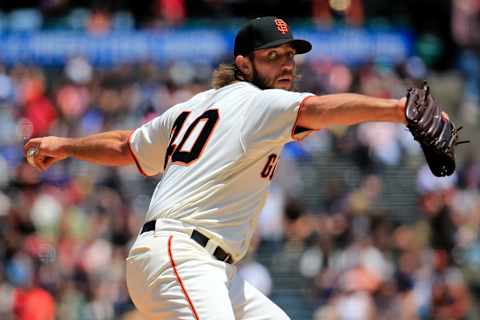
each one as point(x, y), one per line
point(41, 153)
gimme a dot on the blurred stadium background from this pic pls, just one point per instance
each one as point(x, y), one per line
point(355, 227)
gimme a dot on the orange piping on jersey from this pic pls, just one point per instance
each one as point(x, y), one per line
point(179, 163)
point(300, 110)
point(134, 157)
point(185, 293)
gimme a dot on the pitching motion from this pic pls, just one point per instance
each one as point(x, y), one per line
point(217, 154)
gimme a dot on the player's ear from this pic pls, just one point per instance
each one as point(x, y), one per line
point(244, 65)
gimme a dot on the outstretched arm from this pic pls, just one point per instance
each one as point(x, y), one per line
point(347, 109)
point(108, 148)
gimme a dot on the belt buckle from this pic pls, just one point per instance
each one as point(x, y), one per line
point(222, 255)
point(227, 258)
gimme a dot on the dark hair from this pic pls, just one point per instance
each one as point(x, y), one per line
point(227, 73)
point(224, 75)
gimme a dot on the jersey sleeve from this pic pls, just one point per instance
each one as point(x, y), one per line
point(148, 145)
point(272, 117)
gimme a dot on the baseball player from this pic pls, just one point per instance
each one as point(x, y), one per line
point(217, 154)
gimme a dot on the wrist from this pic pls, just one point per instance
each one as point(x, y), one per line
point(400, 109)
point(64, 147)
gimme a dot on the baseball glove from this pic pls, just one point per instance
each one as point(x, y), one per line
point(432, 128)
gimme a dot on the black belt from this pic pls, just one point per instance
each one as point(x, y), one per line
point(200, 238)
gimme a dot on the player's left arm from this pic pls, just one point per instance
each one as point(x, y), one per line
point(347, 109)
point(108, 148)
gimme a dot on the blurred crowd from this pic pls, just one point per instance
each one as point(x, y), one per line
point(347, 254)
point(65, 233)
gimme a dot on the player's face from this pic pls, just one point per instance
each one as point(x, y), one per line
point(274, 68)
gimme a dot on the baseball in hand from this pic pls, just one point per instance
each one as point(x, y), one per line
point(31, 153)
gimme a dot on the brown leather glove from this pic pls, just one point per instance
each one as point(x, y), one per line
point(432, 128)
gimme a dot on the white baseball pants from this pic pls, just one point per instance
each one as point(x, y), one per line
point(171, 277)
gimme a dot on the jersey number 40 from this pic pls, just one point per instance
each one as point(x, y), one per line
point(194, 140)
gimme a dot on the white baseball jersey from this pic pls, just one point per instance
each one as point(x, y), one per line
point(218, 152)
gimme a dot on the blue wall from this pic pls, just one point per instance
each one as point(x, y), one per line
point(198, 45)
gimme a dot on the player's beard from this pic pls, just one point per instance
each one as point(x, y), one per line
point(260, 81)
point(263, 83)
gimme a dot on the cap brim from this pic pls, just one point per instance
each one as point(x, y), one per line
point(300, 46)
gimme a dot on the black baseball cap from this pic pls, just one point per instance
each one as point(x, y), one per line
point(266, 32)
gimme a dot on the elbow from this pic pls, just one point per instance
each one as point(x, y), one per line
point(313, 114)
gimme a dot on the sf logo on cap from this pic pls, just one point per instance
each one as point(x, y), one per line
point(281, 26)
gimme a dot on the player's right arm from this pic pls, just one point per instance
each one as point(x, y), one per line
point(347, 109)
point(144, 146)
point(108, 148)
